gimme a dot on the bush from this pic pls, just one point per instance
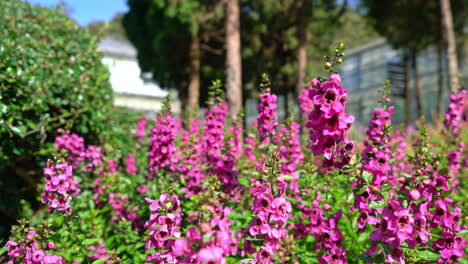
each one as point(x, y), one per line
point(51, 77)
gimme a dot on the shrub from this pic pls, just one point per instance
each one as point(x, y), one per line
point(51, 77)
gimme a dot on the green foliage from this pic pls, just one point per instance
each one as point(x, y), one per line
point(270, 39)
point(113, 28)
point(162, 32)
point(50, 77)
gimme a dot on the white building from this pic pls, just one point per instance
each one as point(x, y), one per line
point(130, 90)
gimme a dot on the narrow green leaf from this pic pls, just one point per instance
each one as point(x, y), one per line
point(429, 256)
point(99, 261)
point(387, 187)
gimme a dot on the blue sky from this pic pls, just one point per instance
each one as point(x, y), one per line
point(85, 11)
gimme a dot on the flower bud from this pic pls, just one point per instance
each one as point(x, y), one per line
point(328, 65)
point(427, 182)
point(415, 195)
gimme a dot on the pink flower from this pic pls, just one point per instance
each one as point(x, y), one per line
point(59, 187)
point(140, 130)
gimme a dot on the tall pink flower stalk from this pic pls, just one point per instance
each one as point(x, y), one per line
point(271, 211)
point(191, 162)
point(329, 123)
point(195, 248)
point(325, 231)
point(140, 129)
point(376, 157)
point(29, 250)
point(267, 118)
point(290, 152)
point(213, 136)
point(164, 225)
point(305, 103)
point(227, 173)
point(419, 210)
point(452, 123)
point(59, 187)
point(73, 146)
point(162, 147)
point(454, 115)
point(130, 164)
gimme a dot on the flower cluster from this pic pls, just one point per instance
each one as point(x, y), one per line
point(101, 252)
point(419, 211)
point(162, 147)
point(227, 173)
point(93, 158)
point(191, 151)
point(59, 187)
point(325, 231)
point(329, 123)
point(120, 203)
point(305, 103)
point(267, 118)
point(290, 152)
point(29, 253)
point(376, 167)
point(454, 160)
point(130, 164)
point(73, 146)
point(272, 211)
point(163, 224)
point(141, 127)
point(211, 242)
point(398, 147)
point(213, 136)
point(249, 148)
point(454, 114)
point(30, 246)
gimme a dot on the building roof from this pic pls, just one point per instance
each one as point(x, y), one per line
point(112, 47)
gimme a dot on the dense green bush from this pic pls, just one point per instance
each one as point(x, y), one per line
point(51, 77)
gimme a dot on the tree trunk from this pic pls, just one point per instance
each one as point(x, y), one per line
point(183, 97)
point(194, 85)
point(407, 93)
point(301, 50)
point(417, 83)
point(233, 58)
point(440, 77)
point(447, 22)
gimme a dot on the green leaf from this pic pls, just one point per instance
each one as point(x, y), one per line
point(150, 250)
point(429, 255)
point(407, 175)
point(288, 177)
point(3, 250)
point(89, 241)
point(367, 176)
point(365, 258)
point(361, 188)
point(402, 195)
point(387, 187)
point(377, 204)
point(99, 261)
